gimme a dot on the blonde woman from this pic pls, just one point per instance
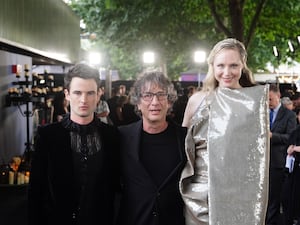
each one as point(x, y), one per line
point(225, 178)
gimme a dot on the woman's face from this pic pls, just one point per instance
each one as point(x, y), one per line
point(228, 67)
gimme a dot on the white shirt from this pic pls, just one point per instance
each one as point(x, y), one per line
point(102, 107)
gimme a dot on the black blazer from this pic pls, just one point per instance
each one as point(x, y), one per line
point(143, 203)
point(295, 140)
point(51, 191)
point(284, 124)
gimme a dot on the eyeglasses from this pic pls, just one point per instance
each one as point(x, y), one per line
point(148, 96)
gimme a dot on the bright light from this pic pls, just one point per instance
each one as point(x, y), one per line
point(94, 58)
point(291, 46)
point(199, 56)
point(82, 24)
point(148, 57)
point(67, 1)
point(275, 51)
point(298, 37)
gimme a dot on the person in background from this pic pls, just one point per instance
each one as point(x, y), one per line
point(178, 109)
point(191, 90)
point(296, 99)
point(287, 102)
point(112, 104)
point(152, 157)
point(60, 106)
point(282, 123)
point(42, 115)
point(122, 90)
point(129, 113)
point(119, 109)
point(292, 184)
point(225, 180)
point(102, 110)
point(297, 111)
point(74, 171)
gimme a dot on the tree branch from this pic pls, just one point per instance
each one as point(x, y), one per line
point(219, 23)
point(237, 20)
point(254, 21)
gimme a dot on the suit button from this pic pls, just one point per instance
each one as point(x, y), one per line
point(154, 213)
point(84, 159)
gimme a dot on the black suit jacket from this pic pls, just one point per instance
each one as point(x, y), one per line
point(295, 140)
point(143, 203)
point(51, 191)
point(284, 124)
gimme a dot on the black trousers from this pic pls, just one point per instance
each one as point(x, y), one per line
point(276, 180)
point(291, 200)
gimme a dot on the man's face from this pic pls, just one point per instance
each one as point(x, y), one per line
point(274, 99)
point(154, 110)
point(83, 97)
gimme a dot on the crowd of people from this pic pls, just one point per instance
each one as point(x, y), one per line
point(227, 153)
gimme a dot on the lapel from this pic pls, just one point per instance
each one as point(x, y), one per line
point(133, 141)
point(180, 143)
point(279, 115)
point(133, 148)
point(134, 138)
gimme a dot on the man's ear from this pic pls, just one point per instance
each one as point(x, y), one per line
point(66, 94)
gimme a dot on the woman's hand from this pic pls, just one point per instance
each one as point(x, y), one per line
point(293, 148)
point(290, 150)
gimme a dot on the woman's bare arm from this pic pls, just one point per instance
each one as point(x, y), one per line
point(191, 107)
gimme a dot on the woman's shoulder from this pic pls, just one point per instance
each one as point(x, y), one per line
point(197, 97)
point(194, 102)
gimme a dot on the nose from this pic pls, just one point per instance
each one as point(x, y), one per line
point(83, 98)
point(226, 70)
point(154, 99)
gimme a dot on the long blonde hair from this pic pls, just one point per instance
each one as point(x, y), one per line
point(210, 83)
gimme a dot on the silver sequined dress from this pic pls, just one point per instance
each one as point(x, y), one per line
point(225, 180)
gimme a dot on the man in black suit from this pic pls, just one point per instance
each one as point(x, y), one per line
point(112, 104)
point(74, 172)
point(282, 124)
point(152, 157)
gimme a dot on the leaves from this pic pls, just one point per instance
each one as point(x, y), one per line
point(175, 28)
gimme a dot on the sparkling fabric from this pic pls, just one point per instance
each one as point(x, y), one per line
point(225, 180)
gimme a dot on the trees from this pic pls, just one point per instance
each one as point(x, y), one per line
point(175, 28)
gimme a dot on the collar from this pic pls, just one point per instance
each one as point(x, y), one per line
point(277, 108)
point(78, 128)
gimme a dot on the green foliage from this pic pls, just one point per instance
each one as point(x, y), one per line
point(174, 29)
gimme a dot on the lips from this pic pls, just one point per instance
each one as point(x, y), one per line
point(227, 78)
point(155, 111)
point(83, 107)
